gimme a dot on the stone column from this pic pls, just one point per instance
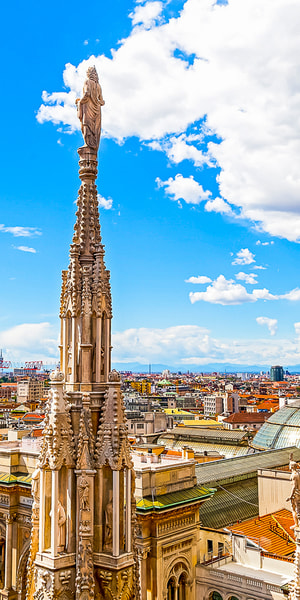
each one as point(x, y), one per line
point(70, 493)
point(73, 377)
point(64, 352)
point(107, 347)
point(142, 558)
point(8, 552)
point(116, 513)
point(128, 511)
point(42, 512)
point(54, 516)
point(98, 349)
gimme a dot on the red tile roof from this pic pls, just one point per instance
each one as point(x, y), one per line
point(272, 532)
point(245, 417)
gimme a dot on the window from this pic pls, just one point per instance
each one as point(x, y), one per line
point(210, 546)
point(220, 548)
point(215, 596)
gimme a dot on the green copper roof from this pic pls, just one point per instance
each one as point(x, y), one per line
point(174, 498)
point(7, 479)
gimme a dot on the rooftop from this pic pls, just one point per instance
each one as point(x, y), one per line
point(232, 469)
point(244, 417)
point(234, 502)
point(271, 532)
point(167, 501)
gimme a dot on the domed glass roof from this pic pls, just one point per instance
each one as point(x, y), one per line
point(281, 430)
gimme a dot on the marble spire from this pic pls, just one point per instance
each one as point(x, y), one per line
point(83, 542)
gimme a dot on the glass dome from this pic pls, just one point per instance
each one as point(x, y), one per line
point(281, 430)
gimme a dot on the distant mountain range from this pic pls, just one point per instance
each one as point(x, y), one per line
point(209, 368)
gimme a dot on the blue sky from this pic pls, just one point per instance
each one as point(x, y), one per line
point(198, 176)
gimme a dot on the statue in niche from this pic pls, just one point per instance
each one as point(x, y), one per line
point(35, 487)
point(295, 493)
point(83, 486)
point(108, 523)
point(61, 521)
point(89, 110)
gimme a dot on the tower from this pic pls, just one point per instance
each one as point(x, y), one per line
point(82, 542)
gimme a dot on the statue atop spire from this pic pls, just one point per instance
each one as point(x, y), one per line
point(89, 110)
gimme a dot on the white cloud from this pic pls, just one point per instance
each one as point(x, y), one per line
point(19, 231)
point(242, 78)
point(223, 291)
point(264, 294)
point(153, 344)
point(25, 249)
point(259, 243)
point(259, 267)
point(243, 257)
point(297, 328)
point(270, 323)
point(30, 341)
point(218, 205)
point(178, 149)
point(227, 292)
point(146, 15)
point(190, 344)
point(247, 277)
point(198, 279)
point(293, 295)
point(184, 188)
point(105, 202)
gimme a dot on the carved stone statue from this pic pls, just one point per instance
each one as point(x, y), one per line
point(108, 523)
point(295, 493)
point(35, 487)
point(89, 110)
point(83, 486)
point(61, 525)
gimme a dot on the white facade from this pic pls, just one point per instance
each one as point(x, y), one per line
point(213, 405)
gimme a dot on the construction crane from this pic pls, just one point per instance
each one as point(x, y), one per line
point(34, 365)
point(4, 364)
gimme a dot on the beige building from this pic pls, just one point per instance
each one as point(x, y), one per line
point(168, 526)
point(30, 390)
point(213, 405)
point(18, 459)
point(146, 423)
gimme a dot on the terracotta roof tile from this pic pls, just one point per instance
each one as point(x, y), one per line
point(272, 532)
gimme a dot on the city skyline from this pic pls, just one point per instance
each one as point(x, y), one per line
point(198, 182)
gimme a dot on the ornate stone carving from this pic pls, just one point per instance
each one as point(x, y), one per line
point(114, 376)
point(85, 583)
point(56, 375)
point(116, 585)
point(58, 445)
point(112, 446)
point(61, 525)
point(89, 110)
point(44, 584)
point(65, 577)
point(108, 523)
point(84, 493)
point(295, 492)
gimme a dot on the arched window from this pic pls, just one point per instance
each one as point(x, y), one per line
point(215, 596)
point(233, 598)
point(182, 586)
point(171, 588)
